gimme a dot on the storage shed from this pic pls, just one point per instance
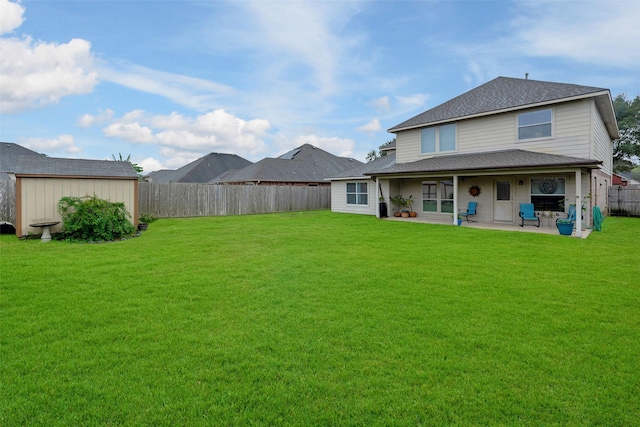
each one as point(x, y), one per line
point(42, 181)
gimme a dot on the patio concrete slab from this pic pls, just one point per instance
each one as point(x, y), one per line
point(546, 226)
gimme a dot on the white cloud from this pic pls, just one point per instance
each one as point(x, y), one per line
point(37, 74)
point(372, 126)
point(63, 144)
point(10, 16)
point(605, 33)
point(132, 132)
point(303, 34)
point(149, 165)
point(412, 101)
point(188, 91)
point(381, 104)
point(88, 120)
point(213, 131)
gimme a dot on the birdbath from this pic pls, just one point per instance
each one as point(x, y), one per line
point(46, 234)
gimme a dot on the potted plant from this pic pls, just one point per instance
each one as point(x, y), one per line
point(409, 203)
point(145, 220)
point(459, 220)
point(398, 203)
point(565, 226)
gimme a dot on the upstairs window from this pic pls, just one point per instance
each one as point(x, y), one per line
point(438, 139)
point(357, 193)
point(536, 124)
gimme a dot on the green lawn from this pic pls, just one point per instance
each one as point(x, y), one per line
point(322, 319)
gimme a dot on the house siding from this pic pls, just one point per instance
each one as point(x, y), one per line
point(602, 144)
point(571, 134)
point(38, 198)
point(339, 198)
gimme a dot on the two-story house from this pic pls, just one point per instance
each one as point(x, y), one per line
point(507, 142)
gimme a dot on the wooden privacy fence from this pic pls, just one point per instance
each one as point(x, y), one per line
point(624, 201)
point(176, 200)
point(8, 201)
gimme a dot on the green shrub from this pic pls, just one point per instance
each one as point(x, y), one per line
point(90, 218)
point(147, 218)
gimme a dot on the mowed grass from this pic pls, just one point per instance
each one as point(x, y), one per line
point(317, 318)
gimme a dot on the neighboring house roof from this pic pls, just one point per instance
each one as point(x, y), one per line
point(303, 164)
point(9, 154)
point(362, 170)
point(48, 166)
point(201, 170)
point(389, 146)
point(492, 160)
point(504, 94)
point(163, 175)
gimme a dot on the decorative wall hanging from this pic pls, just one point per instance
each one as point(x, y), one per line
point(548, 186)
point(474, 191)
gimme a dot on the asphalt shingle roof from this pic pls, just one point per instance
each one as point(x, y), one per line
point(303, 164)
point(361, 170)
point(502, 93)
point(49, 166)
point(9, 154)
point(492, 160)
point(203, 169)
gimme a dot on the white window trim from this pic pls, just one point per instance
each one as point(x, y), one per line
point(356, 193)
point(553, 125)
point(439, 197)
point(437, 151)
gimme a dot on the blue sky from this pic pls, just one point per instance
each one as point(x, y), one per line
point(170, 81)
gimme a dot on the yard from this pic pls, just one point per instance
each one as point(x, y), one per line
point(322, 319)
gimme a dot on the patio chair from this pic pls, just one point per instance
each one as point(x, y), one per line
point(471, 210)
point(527, 213)
point(571, 215)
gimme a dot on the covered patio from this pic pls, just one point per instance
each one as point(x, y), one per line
point(442, 187)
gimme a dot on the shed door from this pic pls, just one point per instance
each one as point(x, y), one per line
point(503, 203)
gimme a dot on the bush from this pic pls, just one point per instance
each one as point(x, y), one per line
point(147, 218)
point(90, 218)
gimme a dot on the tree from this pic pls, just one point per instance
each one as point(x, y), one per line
point(372, 155)
point(626, 149)
point(136, 166)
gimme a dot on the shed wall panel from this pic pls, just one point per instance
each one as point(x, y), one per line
point(39, 197)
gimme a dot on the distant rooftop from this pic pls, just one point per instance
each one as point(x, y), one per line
point(302, 164)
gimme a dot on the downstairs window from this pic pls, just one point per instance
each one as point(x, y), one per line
point(548, 194)
point(357, 193)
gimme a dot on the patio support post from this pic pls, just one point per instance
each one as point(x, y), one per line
point(455, 200)
point(578, 203)
point(377, 182)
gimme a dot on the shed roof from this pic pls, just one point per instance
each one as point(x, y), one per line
point(9, 154)
point(492, 160)
point(302, 164)
point(506, 93)
point(49, 166)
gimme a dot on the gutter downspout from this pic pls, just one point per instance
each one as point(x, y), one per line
point(378, 192)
